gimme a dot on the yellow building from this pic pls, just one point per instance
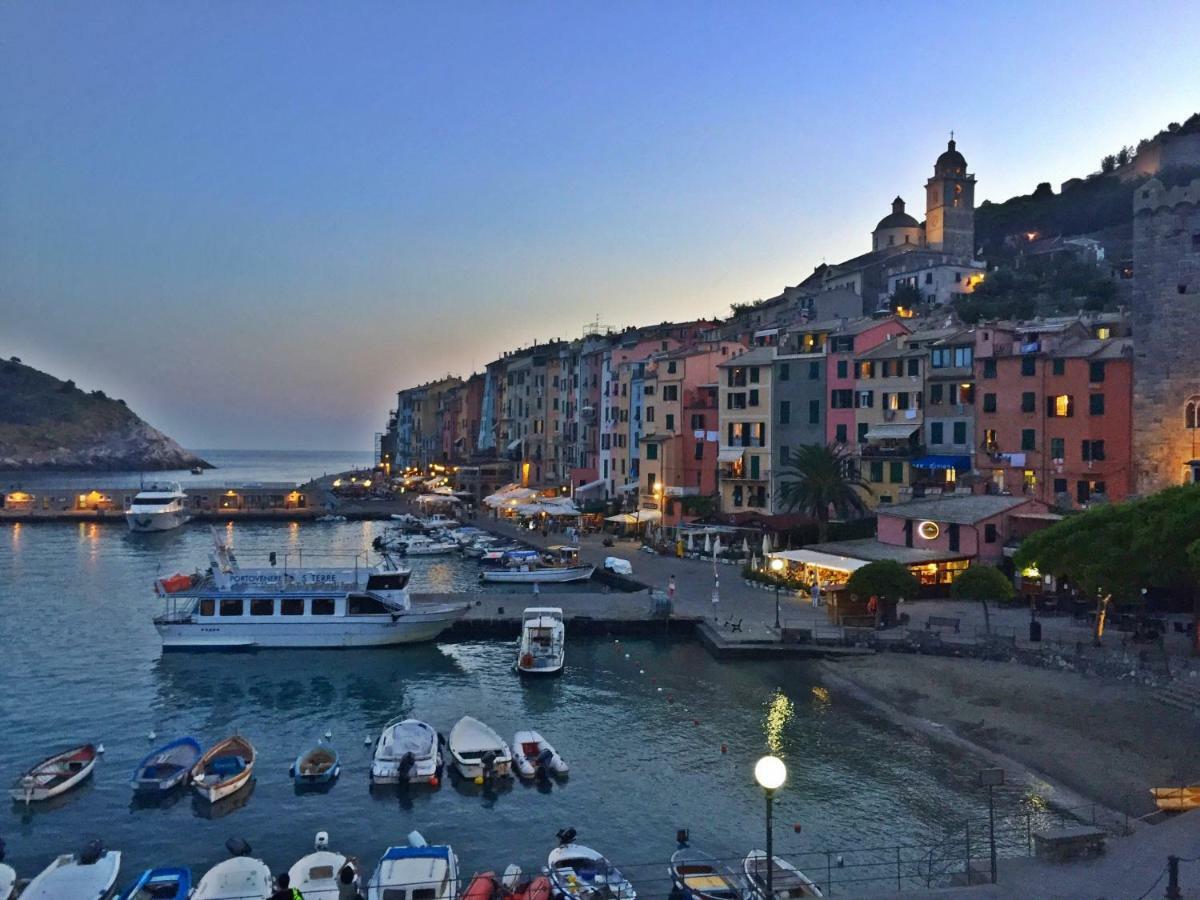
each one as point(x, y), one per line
point(744, 458)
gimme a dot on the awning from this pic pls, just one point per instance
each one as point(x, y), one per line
point(958, 463)
point(626, 488)
point(730, 454)
point(820, 560)
point(515, 444)
point(896, 431)
point(590, 486)
point(639, 518)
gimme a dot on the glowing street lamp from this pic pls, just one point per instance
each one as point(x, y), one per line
point(770, 773)
point(777, 568)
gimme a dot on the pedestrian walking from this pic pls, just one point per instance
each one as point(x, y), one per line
point(671, 589)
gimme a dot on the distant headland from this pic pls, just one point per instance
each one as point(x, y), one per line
point(46, 423)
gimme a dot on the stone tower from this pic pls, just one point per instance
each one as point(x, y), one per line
point(950, 206)
point(1166, 331)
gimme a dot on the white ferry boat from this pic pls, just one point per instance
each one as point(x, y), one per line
point(158, 507)
point(231, 608)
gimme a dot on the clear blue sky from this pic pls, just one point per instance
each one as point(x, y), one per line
point(256, 220)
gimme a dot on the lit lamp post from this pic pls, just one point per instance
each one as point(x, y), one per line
point(777, 568)
point(770, 773)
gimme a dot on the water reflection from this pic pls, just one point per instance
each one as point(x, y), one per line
point(779, 713)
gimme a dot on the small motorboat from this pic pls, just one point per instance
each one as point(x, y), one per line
point(536, 573)
point(197, 470)
point(239, 878)
point(1177, 799)
point(509, 886)
point(478, 752)
point(166, 768)
point(55, 775)
point(534, 757)
point(90, 874)
point(430, 873)
point(161, 884)
point(322, 874)
point(316, 766)
point(698, 876)
point(417, 545)
point(407, 751)
point(224, 769)
point(786, 880)
point(329, 519)
point(541, 649)
point(577, 871)
point(8, 882)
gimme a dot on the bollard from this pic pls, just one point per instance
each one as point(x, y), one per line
point(898, 885)
point(829, 873)
point(1173, 879)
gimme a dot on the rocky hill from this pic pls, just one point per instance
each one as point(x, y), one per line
point(46, 423)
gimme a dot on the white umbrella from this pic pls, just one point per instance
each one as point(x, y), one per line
point(689, 542)
point(707, 542)
point(717, 546)
point(753, 561)
point(745, 546)
point(766, 544)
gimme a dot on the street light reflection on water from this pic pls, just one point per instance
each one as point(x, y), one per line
point(779, 712)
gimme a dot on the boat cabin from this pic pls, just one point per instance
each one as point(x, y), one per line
point(564, 554)
point(290, 607)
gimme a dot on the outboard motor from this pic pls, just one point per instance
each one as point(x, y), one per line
point(566, 836)
point(488, 761)
point(681, 837)
point(322, 841)
point(238, 846)
point(91, 852)
point(542, 764)
point(407, 761)
point(2, 849)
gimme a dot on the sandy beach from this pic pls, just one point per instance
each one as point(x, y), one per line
point(1104, 740)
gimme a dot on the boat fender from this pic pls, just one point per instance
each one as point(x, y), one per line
point(91, 852)
point(434, 781)
point(238, 846)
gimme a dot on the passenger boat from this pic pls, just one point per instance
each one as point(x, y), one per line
point(786, 880)
point(320, 874)
point(477, 751)
point(90, 874)
point(407, 751)
point(430, 873)
point(8, 882)
point(541, 649)
point(509, 886)
point(158, 507)
point(55, 775)
point(1177, 799)
point(698, 876)
point(160, 884)
point(537, 573)
point(231, 608)
point(580, 873)
point(319, 765)
point(166, 768)
point(227, 766)
point(535, 758)
point(239, 878)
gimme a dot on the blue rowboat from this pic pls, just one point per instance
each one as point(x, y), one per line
point(316, 766)
point(166, 768)
point(161, 884)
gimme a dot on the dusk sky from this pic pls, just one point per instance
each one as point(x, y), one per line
point(255, 221)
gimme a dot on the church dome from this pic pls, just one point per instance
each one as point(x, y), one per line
point(897, 218)
point(951, 158)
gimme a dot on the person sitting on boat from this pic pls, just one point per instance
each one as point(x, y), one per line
point(346, 887)
point(284, 889)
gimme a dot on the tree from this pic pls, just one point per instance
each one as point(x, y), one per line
point(907, 297)
point(1124, 155)
point(1108, 164)
point(885, 579)
point(819, 478)
point(980, 584)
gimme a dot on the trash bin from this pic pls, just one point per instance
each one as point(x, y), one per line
point(1035, 631)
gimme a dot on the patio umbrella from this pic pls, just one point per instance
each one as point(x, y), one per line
point(745, 546)
point(689, 542)
point(753, 561)
point(716, 546)
point(766, 544)
point(707, 542)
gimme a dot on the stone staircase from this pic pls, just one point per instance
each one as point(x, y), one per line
point(1182, 694)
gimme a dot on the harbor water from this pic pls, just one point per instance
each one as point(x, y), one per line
point(659, 735)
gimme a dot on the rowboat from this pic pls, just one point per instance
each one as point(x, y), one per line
point(317, 766)
point(166, 768)
point(90, 874)
point(55, 775)
point(161, 884)
point(226, 767)
point(580, 872)
point(534, 757)
point(322, 874)
point(786, 880)
point(698, 876)
point(239, 878)
point(407, 751)
point(477, 751)
point(1177, 799)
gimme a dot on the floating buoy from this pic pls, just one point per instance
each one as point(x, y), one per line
point(695, 721)
point(99, 748)
point(367, 740)
point(479, 779)
point(328, 733)
point(627, 656)
point(433, 782)
point(641, 671)
point(659, 690)
point(617, 641)
point(796, 828)
point(151, 735)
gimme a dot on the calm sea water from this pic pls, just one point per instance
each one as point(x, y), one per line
point(659, 736)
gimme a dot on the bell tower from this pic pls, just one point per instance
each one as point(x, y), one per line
point(950, 205)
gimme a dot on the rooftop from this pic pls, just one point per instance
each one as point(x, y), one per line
point(759, 356)
point(959, 509)
point(874, 550)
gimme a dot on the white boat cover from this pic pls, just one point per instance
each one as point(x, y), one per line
point(409, 736)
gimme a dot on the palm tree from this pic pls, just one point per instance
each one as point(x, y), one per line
point(819, 478)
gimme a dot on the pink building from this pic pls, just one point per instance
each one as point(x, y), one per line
point(855, 336)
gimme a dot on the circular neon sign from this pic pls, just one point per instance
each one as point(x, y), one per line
point(928, 530)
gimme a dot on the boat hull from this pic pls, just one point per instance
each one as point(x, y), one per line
point(538, 576)
point(157, 521)
point(415, 626)
point(218, 785)
point(34, 787)
point(166, 768)
point(313, 768)
point(68, 877)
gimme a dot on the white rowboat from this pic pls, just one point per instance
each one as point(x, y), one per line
point(478, 751)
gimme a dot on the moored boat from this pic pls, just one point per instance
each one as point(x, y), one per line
point(534, 757)
point(319, 765)
point(526, 573)
point(158, 507)
point(324, 873)
point(697, 875)
point(1177, 799)
point(541, 649)
point(581, 873)
point(8, 882)
point(224, 769)
point(55, 775)
point(90, 874)
point(407, 751)
point(477, 751)
point(510, 886)
point(160, 884)
point(417, 870)
point(786, 880)
point(239, 878)
point(166, 768)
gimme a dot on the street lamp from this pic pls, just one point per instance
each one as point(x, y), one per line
point(770, 773)
point(777, 568)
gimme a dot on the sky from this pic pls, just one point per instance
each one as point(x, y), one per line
point(256, 221)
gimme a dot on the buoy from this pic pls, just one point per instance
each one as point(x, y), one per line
point(328, 733)
point(627, 656)
point(724, 749)
point(151, 736)
point(433, 782)
point(641, 671)
point(695, 721)
point(659, 690)
point(617, 641)
point(367, 741)
point(479, 779)
point(99, 748)
point(796, 828)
